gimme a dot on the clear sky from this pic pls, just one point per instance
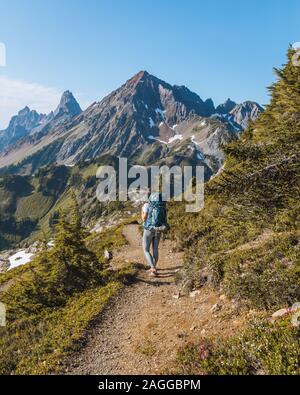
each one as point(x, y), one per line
point(219, 49)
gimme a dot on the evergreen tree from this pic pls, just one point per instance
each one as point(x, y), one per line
point(74, 266)
point(59, 272)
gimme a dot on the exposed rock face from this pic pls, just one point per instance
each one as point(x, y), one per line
point(245, 112)
point(226, 107)
point(238, 116)
point(29, 131)
point(4, 261)
point(19, 126)
point(145, 119)
point(68, 106)
point(126, 120)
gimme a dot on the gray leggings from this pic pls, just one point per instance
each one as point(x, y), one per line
point(151, 237)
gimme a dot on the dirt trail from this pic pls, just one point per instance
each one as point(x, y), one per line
point(145, 324)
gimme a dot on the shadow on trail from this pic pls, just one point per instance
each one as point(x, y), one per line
point(170, 268)
point(166, 275)
point(153, 282)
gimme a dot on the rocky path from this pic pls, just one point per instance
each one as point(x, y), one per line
point(145, 324)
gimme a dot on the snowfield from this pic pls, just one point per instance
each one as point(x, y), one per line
point(174, 138)
point(151, 122)
point(20, 258)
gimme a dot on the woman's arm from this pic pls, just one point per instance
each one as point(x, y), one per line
point(145, 210)
point(144, 215)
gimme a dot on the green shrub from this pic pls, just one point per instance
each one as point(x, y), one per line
point(263, 348)
point(52, 301)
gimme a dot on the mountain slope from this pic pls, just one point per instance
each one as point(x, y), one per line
point(20, 126)
point(40, 131)
point(226, 107)
point(240, 115)
point(68, 107)
point(124, 121)
point(143, 115)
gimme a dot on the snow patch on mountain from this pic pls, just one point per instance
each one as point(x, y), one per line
point(160, 112)
point(174, 138)
point(20, 258)
point(193, 140)
point(156, 139)
point(152, 124)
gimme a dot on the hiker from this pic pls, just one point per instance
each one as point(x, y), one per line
point(154, 216)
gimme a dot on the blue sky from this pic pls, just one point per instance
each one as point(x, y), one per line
point(218, 48)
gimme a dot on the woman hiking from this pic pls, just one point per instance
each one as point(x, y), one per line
point(154, 216)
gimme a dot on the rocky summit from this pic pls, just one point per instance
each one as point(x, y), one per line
point(146, 119)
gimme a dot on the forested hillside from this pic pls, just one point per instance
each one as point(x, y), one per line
point(51, 301)
point(246, 240)
point(29, 205)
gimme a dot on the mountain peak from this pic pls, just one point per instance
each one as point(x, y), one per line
point(19, 126)
point(226, 107)
point(152, 93)
point(143, 109)
point(68, 105)
point(143, 73)
point(253, 104)
point(138, 77)
point(24, 111)
point(67, 96)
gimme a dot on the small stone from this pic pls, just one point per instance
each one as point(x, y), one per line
point(280, 313)
point(107, 254)
point(223, 297)
point(176, 296)
point(193, 327)
point(216, 307)
point(194, 293)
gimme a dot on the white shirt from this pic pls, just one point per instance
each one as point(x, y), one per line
point(146, 208)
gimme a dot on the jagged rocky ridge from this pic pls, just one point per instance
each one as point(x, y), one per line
point(146, 119)
point(19, 126)
point(28, 126)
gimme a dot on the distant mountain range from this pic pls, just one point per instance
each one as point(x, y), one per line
point(146, 119)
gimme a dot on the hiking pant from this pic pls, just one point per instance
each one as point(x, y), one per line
point(151, 238)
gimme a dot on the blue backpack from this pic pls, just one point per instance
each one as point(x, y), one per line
point(157, 215)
